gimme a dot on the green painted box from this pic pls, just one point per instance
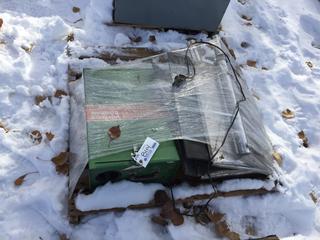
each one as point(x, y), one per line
point(162, 168)
point(119, 97)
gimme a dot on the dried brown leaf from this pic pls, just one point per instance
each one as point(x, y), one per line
point(176, 218)
point(301, 134)
point(63, 169)
point(252, 63)
point(245, 45)
point(161, 197)
point(73, 74)
point(28, 49)
point(60, 93)
point(314, 197)
point(49, 135)
point(152, 38)
point(36, 136)
point(220, 28)
point(167, 210)
point(1, 22)
point(60, 159)
point(70, 37)
point(303, 137)
point(114, 133)
point(75, 9)
point(20, 180)
point(287, 114)
point(3, 127)
point(310, 65)
point(243, 2)
point(247, 18)
point(39, 99)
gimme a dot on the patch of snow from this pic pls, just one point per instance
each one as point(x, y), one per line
point(120, 194)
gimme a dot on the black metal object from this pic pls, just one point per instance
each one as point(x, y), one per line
point(196, 15)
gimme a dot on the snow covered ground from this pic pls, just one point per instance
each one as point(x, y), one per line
point(282, 40)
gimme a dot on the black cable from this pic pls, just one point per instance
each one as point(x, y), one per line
point(235, 114)
point(237, 107)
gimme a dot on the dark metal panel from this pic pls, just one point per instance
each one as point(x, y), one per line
point(199, 15)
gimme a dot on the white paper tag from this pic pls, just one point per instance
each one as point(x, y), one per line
point(145, 153)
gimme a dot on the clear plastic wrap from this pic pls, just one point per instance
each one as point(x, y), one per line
point(140, 98)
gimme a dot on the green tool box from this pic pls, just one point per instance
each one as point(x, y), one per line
point(163, 167)
point(118, 98)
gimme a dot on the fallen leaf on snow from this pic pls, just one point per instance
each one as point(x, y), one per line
point(75, 9)
point(49, 135)
point(36, 136)
point(314, 197)
point(1, 22)
point(252, 63)
point(245, 45)
point(61, 162)
point(169, 212)
point(243, 2)
point(152, 38)
point(63, 169)
point(39, 99)
point(60, 159)
point(245, 17)
point(287, 114)
point(70, 37)
point(161, 197)
point(176, 218)
point(4, 128)
point(303, 137)
point(59, 93)
point(310, 65)
point(28, 49)
point(73, 74)
point(20, 180)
